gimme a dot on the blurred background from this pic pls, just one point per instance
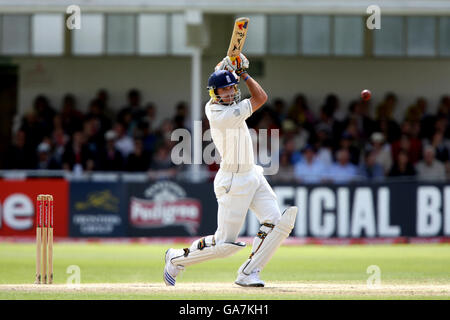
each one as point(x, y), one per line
point(88, 112)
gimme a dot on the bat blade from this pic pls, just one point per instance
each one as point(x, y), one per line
point(238, 37)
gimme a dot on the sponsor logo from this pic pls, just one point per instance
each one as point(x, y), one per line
point(99, 200)
point(166, 205)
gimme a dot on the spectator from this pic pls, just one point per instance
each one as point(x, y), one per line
point(409, 143)
point(124, 143)
point(71, 118)
point(342, 171)
point(150, 115)
point(359, 118)
point(402, 167)
point(430, 169)
point(290, 130)
point(381, 151)
point(309, 170)
point(149, 138)
point(440, 148)
point(45, 159)
point(164, 132)
point(76, 156)
point(97, 114)
point(386, 109)
point(385, 121)
point(110, 158)
point(139, 160)
point(93, 137)
point(349, 143)
point(325, 153)
point(285, 171)
point(162, 166)
point(59, 141)
point(181, 118)
point(103, 99)
point(131, 113)
point(279, 108)
point(293, 155)
point(300, 112)
point(370, 169)
point(330, 106)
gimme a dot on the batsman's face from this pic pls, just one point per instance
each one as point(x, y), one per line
point(227, 94)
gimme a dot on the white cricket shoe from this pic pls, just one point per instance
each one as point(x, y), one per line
point(251, 280)
point(170, 270)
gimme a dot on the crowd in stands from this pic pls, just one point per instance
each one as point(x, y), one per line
point(335, 144)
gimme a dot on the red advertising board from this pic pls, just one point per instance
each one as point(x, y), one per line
point(18, 206)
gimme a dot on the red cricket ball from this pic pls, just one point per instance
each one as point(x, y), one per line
point(366, 94)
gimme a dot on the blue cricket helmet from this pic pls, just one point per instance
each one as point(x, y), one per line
point(221, 79)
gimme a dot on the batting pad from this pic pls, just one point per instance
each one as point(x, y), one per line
point(221, 250)
point(271, 243)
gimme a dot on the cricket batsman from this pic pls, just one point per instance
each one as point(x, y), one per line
point(239, 184)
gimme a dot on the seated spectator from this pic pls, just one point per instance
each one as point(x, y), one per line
point(96, 113)
point(285, 171)
point(300, 113)
point(181, 118)
point(164, 132)
point(385, 118)
point(150, 115)
point(342, 171)
point(149, 138)
point(133, 107)
point(402, 167)
point(370, 169)
point(279, 111)
point(71, 118)
point(309, 170)
point(409, 143)
point(45, 158)
point(139, 160)
point(386, 109)
point(440, 148)
point(59, 141)
point(124, 143)
point(110, 158)
point(330, 105)
point(290, 130)
point(430, 169)
point(324, 153)
point(348, 142)
point(293, 155)
point(382, 151)
point(103, 97)
point(76, 156)
point(162, 166)
point(360, 119)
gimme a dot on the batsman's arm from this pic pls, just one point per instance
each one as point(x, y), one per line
point(258, 95)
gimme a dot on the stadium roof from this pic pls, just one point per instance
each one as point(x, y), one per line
point(404, 7)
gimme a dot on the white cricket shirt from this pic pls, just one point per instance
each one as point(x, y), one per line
point(230, 134)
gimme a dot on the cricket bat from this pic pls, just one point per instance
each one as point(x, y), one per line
point(238, 37)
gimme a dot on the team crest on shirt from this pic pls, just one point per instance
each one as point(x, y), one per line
point(165, 205)
point(237, 112)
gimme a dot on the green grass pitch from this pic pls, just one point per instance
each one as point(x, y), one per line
point(134, 271)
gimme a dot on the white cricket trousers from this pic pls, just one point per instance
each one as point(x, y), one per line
point(236, 193)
